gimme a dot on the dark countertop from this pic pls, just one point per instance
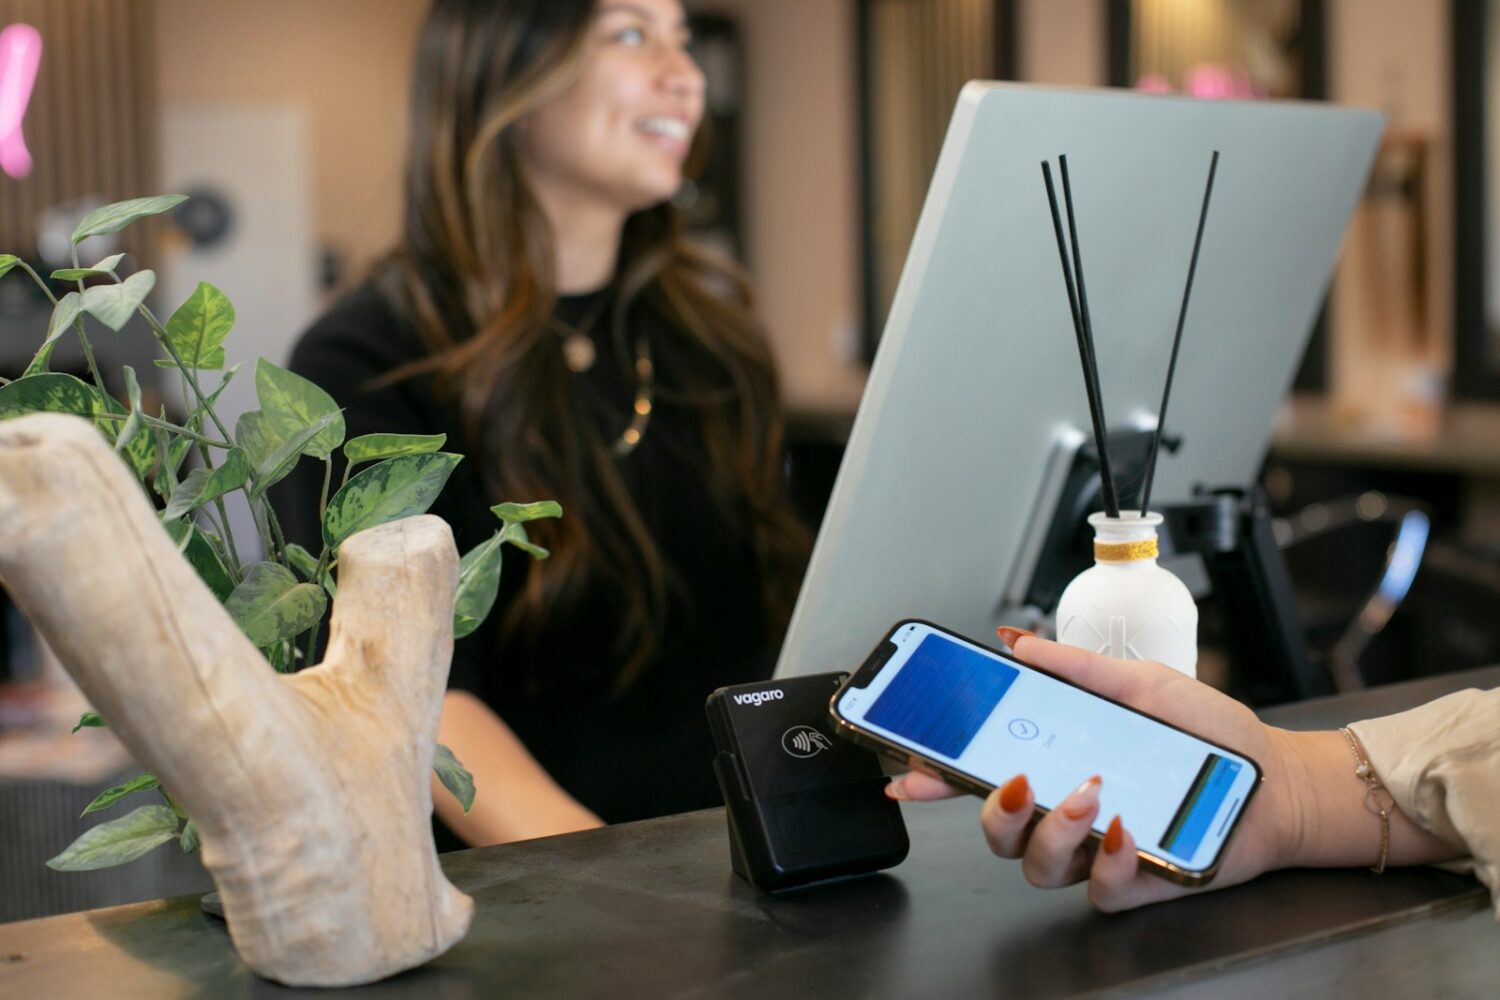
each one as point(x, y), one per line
point(651, 909)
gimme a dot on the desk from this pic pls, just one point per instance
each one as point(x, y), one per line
point(651, 909)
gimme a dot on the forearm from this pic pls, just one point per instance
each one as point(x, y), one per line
point(1331, 827)
point(514, 798)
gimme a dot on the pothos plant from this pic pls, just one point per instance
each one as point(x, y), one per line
point(279, 602)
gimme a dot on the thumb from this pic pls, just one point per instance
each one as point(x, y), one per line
point(915, 786)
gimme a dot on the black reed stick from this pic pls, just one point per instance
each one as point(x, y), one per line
point(1187, 292)
point(1091, 370)
point(1085, 352)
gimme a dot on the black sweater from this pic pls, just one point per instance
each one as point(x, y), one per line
point(644, 752)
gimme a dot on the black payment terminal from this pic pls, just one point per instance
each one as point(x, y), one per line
point(802, 805)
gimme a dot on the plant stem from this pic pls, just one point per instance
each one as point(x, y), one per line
point(88, 350)
point(167, 425)
point(46, 288)
point(161, 336)
point(324, 559)
point(274, 524)
point(234, 550)
point(323, 497)
point(274, 542)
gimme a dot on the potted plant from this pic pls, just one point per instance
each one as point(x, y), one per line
point(178, 641)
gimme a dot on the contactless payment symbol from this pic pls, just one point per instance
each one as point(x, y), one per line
point(1023, 729)
point(804, 741)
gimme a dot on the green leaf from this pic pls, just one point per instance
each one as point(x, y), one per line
point(89, 720)
point(196, 331)
point(112, 218)
point(270, 605)
point(176, 451)
point(514, 513)
point(329, 586)
point(105, 266)
point(133, 424)
point(454, 776)
point(393, 489)
point(189, 839)
point(67, 310)
point(301, 560)
point(280, 462)
point(374, 447)
point(108, 797)
point(254, 433)
point(205, 560)
point(204, 485)
point(113, 305)
point(41, 362)
point(140, 451)
point(48, 392)
point(119, 841)
point(478, 584)
point(515, 534)
point(7, 261)
point(291, 403)
point(479, 575)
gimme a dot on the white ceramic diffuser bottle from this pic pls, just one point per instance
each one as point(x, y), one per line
point(1126, 605)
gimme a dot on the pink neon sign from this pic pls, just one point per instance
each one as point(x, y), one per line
point(20, 55)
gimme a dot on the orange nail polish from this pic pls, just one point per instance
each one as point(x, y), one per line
point(1010, 636)
point(1013, 795)
point(1114, 837)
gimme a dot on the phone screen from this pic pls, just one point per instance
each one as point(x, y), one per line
point(991, 718)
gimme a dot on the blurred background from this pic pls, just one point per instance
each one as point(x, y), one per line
point(285, 122)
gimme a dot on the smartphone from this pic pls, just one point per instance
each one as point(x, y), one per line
point(978, 717)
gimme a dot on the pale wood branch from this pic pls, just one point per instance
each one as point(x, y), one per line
point(311, 791)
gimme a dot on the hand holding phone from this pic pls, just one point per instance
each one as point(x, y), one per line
point(997, 717)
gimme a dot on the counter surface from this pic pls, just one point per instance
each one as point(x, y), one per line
point(651, 909)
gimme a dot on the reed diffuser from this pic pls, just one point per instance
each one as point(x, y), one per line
point(1125, 605)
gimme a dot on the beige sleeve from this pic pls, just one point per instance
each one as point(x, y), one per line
point(1441, 762)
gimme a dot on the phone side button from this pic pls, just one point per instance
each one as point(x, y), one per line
point(965, 783)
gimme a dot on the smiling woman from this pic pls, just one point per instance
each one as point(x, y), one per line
point(545, 311)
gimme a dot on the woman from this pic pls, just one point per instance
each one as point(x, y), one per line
point(545, 312)
point(1434, 771)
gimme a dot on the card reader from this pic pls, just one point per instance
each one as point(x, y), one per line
point(802, 805)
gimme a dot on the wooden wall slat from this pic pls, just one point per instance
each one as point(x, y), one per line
point(91, 127)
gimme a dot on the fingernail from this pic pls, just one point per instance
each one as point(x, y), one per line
point(1083, 801)
point(1013, 795)
point(895, 790)
point(1010, 636)
point(1114, 837)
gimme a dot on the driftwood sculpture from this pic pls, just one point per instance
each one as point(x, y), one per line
point(310, 791)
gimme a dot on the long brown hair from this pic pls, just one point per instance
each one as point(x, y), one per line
point(477, 277)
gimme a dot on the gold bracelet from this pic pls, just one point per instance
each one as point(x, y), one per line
point(1378, 798)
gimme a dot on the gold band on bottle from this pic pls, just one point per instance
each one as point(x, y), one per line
point(1113, 552)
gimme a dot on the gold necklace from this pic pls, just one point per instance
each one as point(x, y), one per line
point(640, 415)
point(579, 354)
point(578, 349)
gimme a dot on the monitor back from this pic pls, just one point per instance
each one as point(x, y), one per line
point(977, 376)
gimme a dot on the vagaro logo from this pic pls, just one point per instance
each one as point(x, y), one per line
point(758, 698)
point(20, 55)
point(805, 741)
